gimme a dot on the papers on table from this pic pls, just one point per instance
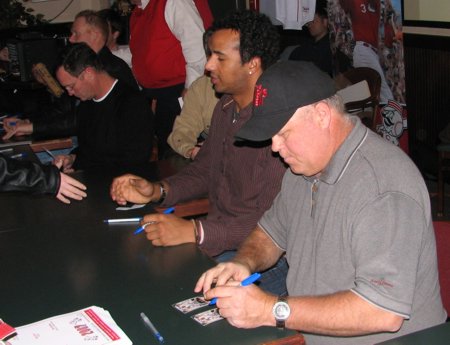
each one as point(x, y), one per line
point(5, 330)
point(92, 325)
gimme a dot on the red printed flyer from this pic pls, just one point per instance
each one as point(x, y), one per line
point(91, 325)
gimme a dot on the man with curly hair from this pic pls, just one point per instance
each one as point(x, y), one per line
point(240, 181)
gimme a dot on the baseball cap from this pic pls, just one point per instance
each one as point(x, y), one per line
point(279, 92)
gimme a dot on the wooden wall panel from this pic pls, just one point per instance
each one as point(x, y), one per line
point(427, 69)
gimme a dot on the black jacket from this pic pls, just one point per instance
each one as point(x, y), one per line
point(117, 68)
point(60, 116)
point(27, 176)
point(117, 131)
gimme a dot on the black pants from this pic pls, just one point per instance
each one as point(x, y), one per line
point(167, 109)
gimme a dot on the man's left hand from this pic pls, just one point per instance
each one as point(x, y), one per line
point(168, 230)
point(244, 306)
point(70, 188)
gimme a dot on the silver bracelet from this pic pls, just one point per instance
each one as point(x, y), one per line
point(163, 193)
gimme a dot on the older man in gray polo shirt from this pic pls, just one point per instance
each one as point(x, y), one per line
point(361, 248)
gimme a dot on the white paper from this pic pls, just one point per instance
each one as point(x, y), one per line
point(92, 325)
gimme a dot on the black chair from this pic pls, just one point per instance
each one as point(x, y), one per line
point(366, 108)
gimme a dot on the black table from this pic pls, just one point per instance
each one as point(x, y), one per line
point(58, 258)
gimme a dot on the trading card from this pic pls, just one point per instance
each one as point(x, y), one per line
point(190, 304)
point(207, 317)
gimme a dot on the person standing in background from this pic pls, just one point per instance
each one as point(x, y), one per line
point(192, 126)
point(89, 27)
point(316, 48)
point(116, 29)
point(167, 54)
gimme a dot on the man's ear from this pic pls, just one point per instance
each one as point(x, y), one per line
point(254, 65)
point(88, 73)
point(115, 35)
point(323, 117)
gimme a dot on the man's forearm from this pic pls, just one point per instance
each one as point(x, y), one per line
point(258, 252)
point(340, 314)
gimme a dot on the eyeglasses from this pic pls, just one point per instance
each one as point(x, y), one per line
point(70, 87)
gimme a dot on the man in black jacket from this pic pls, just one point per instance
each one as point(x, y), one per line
point(24, 176)
point(113, 122)
point(92, 29)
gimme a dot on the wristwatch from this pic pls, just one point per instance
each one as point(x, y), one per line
point(281, 311)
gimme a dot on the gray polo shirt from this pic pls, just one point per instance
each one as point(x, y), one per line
point(364, 225)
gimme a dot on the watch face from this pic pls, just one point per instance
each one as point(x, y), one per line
point(282, 310)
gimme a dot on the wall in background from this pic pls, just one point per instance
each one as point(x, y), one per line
point(64, 10)
point(428, 10)
point(427, 52)
point(426, 17)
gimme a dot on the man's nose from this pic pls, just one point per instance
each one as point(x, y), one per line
point(276, 143)
point(209, 64)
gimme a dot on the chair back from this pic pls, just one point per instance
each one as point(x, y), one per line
point(442, 231)
point(373, 79)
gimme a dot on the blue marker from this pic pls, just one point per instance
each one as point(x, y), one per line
point(169, 210)
point(152, 328)
point(12, 123)
point(142, 228)
point(247, 281)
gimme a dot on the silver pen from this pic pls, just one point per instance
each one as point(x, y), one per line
point(152, 328)
point(6, 150)
point(49, 153)
point(122, 220)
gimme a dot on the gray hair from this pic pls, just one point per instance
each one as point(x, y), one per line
point(337, 103)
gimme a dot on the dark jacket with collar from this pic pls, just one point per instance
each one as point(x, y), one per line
point(25, 176)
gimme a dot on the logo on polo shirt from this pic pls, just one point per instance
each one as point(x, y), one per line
point(381, 282)
point(260, 94)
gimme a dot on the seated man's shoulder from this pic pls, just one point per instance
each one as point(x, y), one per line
point(125, 94)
